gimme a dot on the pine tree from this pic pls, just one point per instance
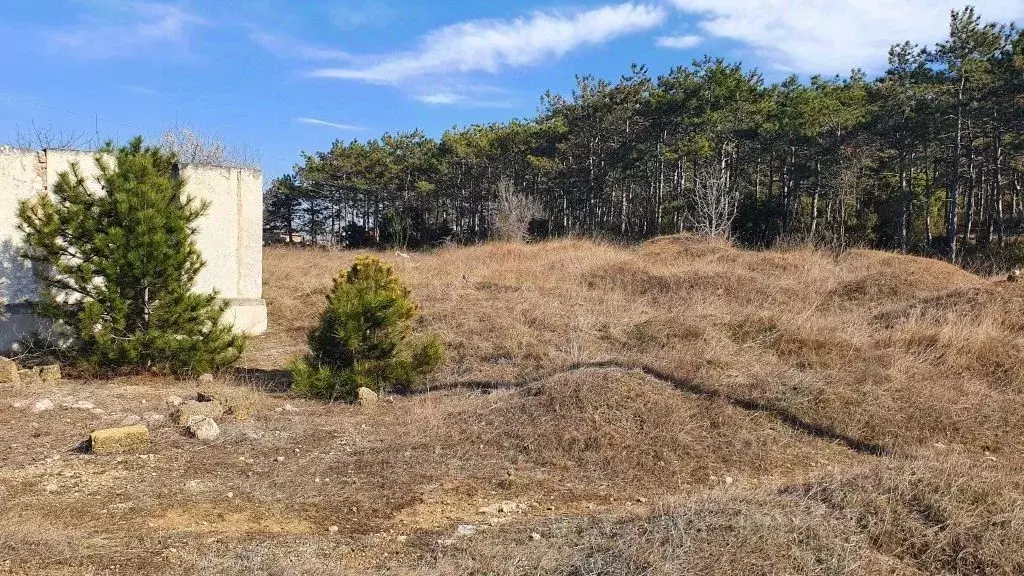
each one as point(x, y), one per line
point(117, 267)
point(364, 338)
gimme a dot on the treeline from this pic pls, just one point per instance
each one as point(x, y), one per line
point(927, 158)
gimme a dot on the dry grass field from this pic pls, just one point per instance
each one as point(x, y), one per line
point(679, 407)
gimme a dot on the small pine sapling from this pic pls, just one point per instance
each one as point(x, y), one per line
point(364, 338)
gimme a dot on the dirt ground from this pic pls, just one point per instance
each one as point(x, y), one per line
point(675, 408)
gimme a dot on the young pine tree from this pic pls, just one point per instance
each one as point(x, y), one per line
point(363, 337)
point(117, 267)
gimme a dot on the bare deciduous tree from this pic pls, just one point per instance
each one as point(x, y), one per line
point(194, 147)
point(713, 202)
point(50, 138)
point(513, 212)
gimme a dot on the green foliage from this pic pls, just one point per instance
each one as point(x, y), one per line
point(117, 268)
point(364, 338)
point(929, 151)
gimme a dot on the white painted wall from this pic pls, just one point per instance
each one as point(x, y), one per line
point(230, 234)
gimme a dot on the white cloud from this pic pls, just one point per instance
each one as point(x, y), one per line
point(287, 47)
point(122, 28)
point(679, 42)
point(833, 36)
point(440, 98)
point(462, 99)
point(319, 122)
point(490, 45)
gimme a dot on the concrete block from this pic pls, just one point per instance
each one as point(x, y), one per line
point(125, 439)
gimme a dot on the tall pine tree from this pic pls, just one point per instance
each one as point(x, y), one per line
point(117, 267)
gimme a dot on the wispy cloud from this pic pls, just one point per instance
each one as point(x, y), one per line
point(288, 47)
point(319, 122)
point(462, 100)
point(491, 45)
point(679, 42)
point(833, 36)
point(124, 28)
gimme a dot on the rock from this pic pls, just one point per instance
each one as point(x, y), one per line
point(728, 480)
point(366, 397)
point(241, 406)
point(29, 375)
point(535, 536)
point(290, 408)
point(123, 439)
point(131, 420)
point(190, 408)
point(465, 530)
point(50, 372)
point(641, 500)
point(83, 405)
point(97, 411)
point(174, 400)
point(333, 529)
point(9, 371)
point(153, 419)
point(280, 458)
point(42, 405)
point(206, 377)
point(203, 428)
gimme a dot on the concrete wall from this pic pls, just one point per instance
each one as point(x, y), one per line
point(230, 234)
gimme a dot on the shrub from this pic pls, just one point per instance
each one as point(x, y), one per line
point(364, 338)
point(117, 268)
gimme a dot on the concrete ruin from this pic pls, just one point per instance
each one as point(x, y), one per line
point(230, 235)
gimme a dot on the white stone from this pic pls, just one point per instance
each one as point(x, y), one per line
point(203, 428)
point(42, 405)
point(465, 530)
point(83, 405)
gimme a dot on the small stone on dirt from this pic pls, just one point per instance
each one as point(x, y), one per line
point(42, 405)
point(29, 375)
point(174, 400)
point(206, 377)
point(9, 371)
point(119, 439)
point(50, 372)
point(333, 529)
point(190, 408)
point(280, 458)
point(290, 408)
point(203, 428)
point(83, 405)
point(153, 418)
point(465, 530)
point(131, 420)
point(535, 536)
point(366, 397)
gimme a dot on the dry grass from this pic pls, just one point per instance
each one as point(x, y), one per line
point(716, 465)
point(895, 350)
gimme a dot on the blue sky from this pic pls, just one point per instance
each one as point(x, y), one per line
point(280, 77)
